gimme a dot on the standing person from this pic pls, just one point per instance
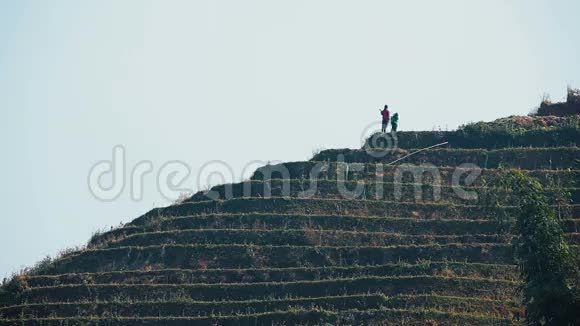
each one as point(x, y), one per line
point(394, 123)
point(386, 116)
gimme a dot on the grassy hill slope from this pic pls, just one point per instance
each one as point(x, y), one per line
point(340, 239)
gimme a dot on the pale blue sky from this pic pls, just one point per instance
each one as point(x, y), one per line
point(241, 81)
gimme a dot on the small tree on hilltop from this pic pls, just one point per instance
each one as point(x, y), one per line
point(546, 261)
point(573, 96)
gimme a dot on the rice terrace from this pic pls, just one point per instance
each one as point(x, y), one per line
point(281, 163)
point(341, 238)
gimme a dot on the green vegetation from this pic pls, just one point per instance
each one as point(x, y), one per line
point(548, 266)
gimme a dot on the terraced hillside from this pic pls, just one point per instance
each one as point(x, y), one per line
point(342, 239)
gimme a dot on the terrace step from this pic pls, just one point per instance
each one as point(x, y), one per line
point(448, 286)
point(209, 276)
point(191, 308)
point(299, 206)
point(251, 256)
point(305, 237)
point(318, 222)
point(332, 189)
point(538, 137)
point(295, 317)
point(523, 158)
point(492, 308)
point(425, 174)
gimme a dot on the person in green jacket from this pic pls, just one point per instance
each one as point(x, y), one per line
point(394, 122)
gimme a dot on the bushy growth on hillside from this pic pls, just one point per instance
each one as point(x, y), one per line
point(548, 266)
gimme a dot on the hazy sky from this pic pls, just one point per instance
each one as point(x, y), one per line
point(240, 81)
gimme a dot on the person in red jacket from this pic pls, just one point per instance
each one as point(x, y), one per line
point(386, 117)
